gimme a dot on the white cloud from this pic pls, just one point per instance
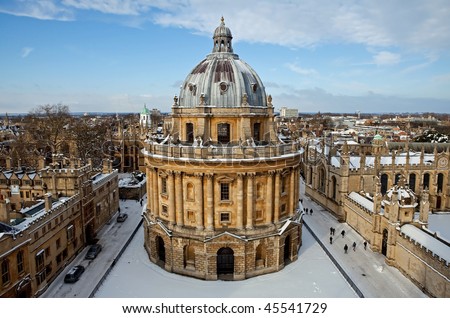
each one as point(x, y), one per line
point(43, 10)
point(302, 71)
point(419, 25)
point(26, 51)
point(386, 58)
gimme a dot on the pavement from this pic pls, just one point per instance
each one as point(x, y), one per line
point(365, 269)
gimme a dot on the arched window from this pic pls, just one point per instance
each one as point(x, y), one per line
point(189, 257)
point(259, 190)
point(322, 180)
point(426, 181)
point(190, 132)
point(256, 131)
point(310, 175)
point(223, 133)
point(20, 267)
point(333, 187)
point(440, 182)
point(412, 181)
point(260, 256)
point(190, 192)
point(397, 178)
point(5, 272)
point(384, 183)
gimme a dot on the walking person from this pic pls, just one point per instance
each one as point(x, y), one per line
point(365, 245)
point(345, 248)
point(334, 230)
point(331, 231)
point(354, 246)
point(331, 240)
point(343, 233)
point(310, 211)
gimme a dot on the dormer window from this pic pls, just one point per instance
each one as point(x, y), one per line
point(223, 87)
point(192, 88)
point(254, 87)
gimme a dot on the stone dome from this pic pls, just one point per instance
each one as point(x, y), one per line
point(222, 79)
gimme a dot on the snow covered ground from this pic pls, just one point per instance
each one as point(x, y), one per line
point(312, 275)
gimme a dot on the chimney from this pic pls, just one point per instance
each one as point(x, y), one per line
point(48, 201)
point(5, 209)
point(41, 163)
point(106, 166)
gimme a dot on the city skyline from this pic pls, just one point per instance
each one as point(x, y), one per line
point(110, 56)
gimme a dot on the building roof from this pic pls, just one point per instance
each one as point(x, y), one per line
point(427, 241)
point(222, 79)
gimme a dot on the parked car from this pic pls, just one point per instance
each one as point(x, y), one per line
point(122, 217)
point(93, 251)
point(74, 274)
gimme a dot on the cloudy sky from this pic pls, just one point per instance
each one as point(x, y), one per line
point(313, 55)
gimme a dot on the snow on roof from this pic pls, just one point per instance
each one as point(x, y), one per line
point(440, 223)
point(363, 201)
point(335, 162)
point(427, 241)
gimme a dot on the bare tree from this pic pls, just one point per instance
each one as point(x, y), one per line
point(47, 124)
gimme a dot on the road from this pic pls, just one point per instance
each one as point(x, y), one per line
point(113, 237)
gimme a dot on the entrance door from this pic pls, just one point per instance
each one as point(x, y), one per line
point(225, 261)
point(438, 202)
point(161, 249)
point(384, 243)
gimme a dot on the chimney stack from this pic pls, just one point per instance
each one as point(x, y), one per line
point(48, 201)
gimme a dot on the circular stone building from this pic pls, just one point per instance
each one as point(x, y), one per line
point(222, 188)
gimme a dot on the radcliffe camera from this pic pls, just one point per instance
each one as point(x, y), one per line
point(218, 153)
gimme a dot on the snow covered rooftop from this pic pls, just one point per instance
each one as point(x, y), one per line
point(363, 201)
point(427, 241)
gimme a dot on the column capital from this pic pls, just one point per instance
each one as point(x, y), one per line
point(178, 173)
point(198, 174)
point(251, 174)
point(209, 176)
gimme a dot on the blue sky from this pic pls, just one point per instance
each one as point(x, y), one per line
point(313, 55)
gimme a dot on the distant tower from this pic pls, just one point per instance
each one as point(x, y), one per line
point(145, 119)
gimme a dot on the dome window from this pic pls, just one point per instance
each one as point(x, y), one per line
point(254, 87)
point(223, 87)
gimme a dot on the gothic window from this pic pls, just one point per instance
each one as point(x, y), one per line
point(384, 183)
point(412, 181)
point(397, 178)
point(322, 180)
point(440, 182)
point(39, 260)
point(5, 272)
point(223, 133)
point(333, 187)
point(426, 181)
point(20, 266)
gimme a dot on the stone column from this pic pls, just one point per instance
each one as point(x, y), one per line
point(199, 199)
point(240, 203)
point(171, 198)
point(150, 190)
point(292, 192)
point(209, 202)
point(269, 196)
point(276, 214)
point(156, 187)
point(179, 199)
point(250, 199)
